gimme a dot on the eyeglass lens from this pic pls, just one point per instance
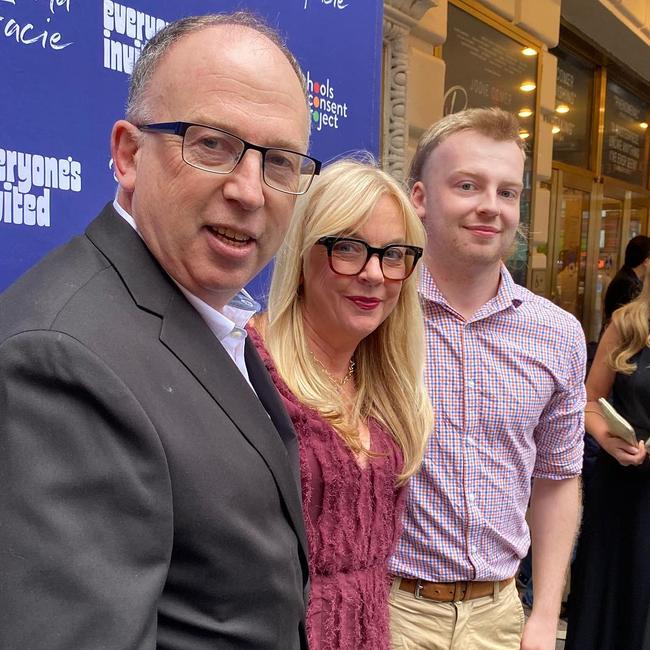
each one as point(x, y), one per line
point(217, 151)
point(349, 257)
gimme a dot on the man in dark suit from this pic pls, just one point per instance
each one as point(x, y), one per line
point(149, 489)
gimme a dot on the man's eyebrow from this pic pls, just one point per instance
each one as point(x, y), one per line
point(479, 175)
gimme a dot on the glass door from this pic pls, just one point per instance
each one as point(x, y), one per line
point(609, 253)
point(638, 220)
point(572, 201)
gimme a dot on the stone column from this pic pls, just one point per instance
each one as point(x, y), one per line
point(400, 17)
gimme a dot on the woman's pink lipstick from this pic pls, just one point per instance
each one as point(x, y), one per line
point(365, 303)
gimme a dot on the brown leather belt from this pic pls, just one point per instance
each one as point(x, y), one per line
point(447, 592)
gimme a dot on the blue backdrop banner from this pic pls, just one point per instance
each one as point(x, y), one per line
point(66, 65)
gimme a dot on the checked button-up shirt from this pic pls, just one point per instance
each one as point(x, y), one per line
point(507, 389)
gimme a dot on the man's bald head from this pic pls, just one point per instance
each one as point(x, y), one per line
point(137, 110)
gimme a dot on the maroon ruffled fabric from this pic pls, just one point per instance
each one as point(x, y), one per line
point(353, 520)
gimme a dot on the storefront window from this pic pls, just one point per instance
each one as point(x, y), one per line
point(573, 109)
point(626, 124)
point(486, 67)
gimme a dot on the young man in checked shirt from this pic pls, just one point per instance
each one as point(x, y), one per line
point(505, 372)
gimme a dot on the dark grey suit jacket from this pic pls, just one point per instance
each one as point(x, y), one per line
point(147, 499)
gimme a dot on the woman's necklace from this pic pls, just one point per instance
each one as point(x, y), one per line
point(339, 383)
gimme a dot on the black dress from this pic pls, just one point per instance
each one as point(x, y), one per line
point(609, 605)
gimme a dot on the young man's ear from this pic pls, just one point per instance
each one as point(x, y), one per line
point(125, 143)
point(418, 199)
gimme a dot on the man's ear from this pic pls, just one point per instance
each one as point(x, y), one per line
point(125, 144)
point(419, 199)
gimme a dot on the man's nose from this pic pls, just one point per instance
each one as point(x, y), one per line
point(244, 184)
point(489, 204)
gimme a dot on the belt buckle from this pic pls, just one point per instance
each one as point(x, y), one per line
point(418, 589)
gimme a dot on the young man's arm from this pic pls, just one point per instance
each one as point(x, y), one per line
point(554, 517)
point(555, 498)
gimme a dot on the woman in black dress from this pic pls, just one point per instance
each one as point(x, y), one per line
point(610, 586)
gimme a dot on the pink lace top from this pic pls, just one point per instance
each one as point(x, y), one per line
point(353, 520)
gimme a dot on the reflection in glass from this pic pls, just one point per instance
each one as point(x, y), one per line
point(625, 139)
point(573, 101)
point(609, 246)
point(570, 265)
point(638, 217)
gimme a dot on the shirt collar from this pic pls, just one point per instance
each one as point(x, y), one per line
point(125, 215)
point(509, 294)
point(234, 315)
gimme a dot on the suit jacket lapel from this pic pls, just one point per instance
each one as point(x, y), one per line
point(272, 403)
point(187, 336)
point(185, 333)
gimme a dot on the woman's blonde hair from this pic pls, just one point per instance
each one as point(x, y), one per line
point(390, 360)
point(633, 324)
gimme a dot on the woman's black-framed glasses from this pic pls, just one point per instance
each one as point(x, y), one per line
point(349, 257)
point(219, 152)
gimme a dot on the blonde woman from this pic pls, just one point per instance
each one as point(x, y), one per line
point(610, 582)
point(344, 344)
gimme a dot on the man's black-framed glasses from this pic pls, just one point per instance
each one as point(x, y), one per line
point(349, 256)
point(219, 152)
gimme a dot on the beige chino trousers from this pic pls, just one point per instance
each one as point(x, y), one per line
point(494, 622)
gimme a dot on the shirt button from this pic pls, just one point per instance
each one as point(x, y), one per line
point(237, 334)
point(471, 384)
point(471, 498)
point(474, 549)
